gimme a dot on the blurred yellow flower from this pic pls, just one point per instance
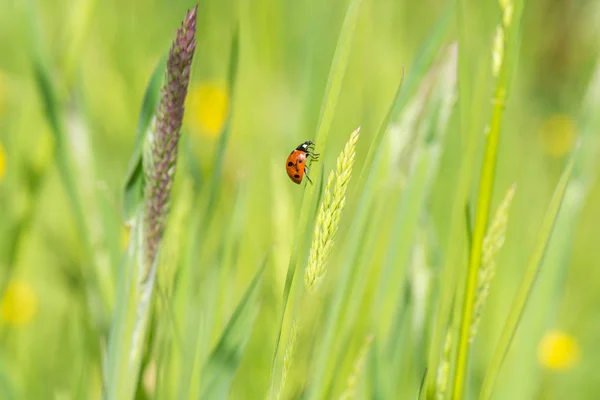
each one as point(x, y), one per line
point(208, 107)
point(558, 351)
point(18, 304)
point(2, 162)
point(557, 135)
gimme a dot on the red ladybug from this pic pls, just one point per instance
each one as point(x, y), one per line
point(296, 162)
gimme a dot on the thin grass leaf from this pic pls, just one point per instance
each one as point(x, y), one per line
point(50, 102)
point(198, 316)
point(224, 360)
point(217, 169)
point(422, 385)
point(328, 106)
point(227, 257)
point(486, 184)
point(472, 74)
point(76, 172)
point(469, 225)
point(525, 288)
point(133, 190)
point(120, 372)
point(428, 51)
point(431, 130)
point(212, 304)
point(176, 379)
point(584, 172)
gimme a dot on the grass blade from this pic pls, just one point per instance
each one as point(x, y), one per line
point(74, 161)
point(332, 92)
point(527, 283)
point(507, 38)
point(428, 51)
point(124, 352)
point(224, 360)
point(215, 179)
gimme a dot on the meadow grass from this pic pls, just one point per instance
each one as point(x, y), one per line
point(152, 246)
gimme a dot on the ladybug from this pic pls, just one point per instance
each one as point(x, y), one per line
point(296, 162)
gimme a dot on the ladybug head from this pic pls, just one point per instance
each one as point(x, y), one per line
point(305, 146)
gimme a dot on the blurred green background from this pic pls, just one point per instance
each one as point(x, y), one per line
point(103, 53)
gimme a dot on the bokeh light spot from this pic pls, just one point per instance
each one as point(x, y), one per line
point(558, 351)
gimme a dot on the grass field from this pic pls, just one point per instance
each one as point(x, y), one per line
point(152, 245)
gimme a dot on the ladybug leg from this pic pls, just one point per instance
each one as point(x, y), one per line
point(314, 156)
point(308, 177)
point(306, 174)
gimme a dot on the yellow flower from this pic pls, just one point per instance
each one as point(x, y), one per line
point(208, 107)
point(557, 135)
point(558, 351)
point(18, 304)
point(2, 162)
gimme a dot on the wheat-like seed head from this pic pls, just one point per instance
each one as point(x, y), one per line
point(492, 243)
point(359, 366)
point(288, 357)
point(332, 204)
point(441, 383)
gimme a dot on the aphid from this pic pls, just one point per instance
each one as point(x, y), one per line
point(296, 162)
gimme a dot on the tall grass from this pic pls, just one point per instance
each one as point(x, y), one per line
point(413, 265)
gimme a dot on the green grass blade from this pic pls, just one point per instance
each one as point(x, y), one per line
point(75, 167)
point(133, 190)
point(336, 74)
point(215, 179)
point(224, 360)
point(484, 198)
point(329, 104)
point(524, 291)
point(51, 106)
point(479, 230)
point(422, 385)
point(126, 337)
point(428, 50)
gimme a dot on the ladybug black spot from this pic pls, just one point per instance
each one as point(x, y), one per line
point(290, 164)
point(296, 176)
point(299, 161)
